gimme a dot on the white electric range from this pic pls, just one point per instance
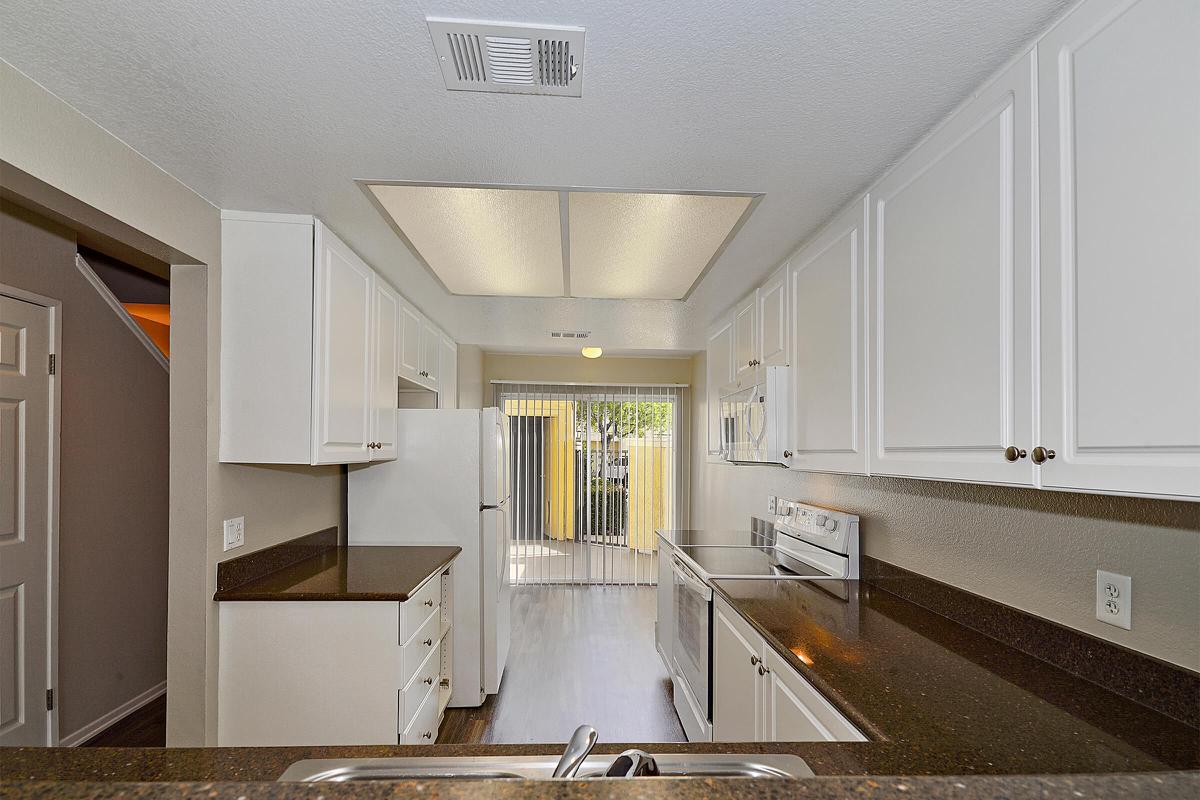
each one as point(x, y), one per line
point(801, 542)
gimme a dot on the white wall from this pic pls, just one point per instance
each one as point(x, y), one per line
point(1032, 549)
point(44, 137)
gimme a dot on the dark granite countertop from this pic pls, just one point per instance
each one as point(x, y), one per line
point(953, 699)
point(335, 573)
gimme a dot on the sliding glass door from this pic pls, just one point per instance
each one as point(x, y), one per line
point(596, 471)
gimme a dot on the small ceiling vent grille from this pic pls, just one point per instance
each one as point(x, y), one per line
point(570, 334)
point(517, 59)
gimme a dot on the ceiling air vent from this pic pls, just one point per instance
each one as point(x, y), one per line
point(570, 334)
point(517, 59)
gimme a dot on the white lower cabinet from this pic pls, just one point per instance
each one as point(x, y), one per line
point(335, 672)
point(759, 697)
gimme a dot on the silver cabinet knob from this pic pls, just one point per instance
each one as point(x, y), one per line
point(429, 642)
point(1041, 455)
point(754, 660)
point(428, 681)
point(762, 670)
point(1012, 453)
point(787, 453)
point(427, 735)
point(429, 602)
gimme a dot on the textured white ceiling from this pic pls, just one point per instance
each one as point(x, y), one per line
point(279, 106)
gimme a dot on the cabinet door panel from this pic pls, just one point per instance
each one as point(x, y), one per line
point(410, 343)
point(773, 320)
point(383, 396)
point(951, 295)
point(829, 348)
point(745, 336)
point(1119, 87)
point(431, 352)
point(719, 373)
point(342, 333)
point(736, 695)
point(796, 712)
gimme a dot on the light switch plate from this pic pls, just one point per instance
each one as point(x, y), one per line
point(235, 532)
point(1114, 599)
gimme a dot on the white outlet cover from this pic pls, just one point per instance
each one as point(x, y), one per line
point(1114, 599)
point(235, 532)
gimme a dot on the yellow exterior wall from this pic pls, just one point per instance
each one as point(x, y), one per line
point(559, 455)
point(649, 464)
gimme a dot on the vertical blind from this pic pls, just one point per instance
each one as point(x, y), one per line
point(595, 472)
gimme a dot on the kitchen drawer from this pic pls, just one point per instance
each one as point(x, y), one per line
point(426, 677)
point(424, 726)
point(417, 649)
point(416, 610)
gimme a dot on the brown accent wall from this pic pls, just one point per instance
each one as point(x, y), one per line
point(112, 637)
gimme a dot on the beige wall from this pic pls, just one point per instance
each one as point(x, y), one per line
point(112, 570)
point(47, 139)
point(470, 376)
point(1035, 550)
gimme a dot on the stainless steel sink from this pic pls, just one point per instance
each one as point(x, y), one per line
point(677, 765)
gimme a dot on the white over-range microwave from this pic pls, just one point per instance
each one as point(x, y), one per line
point(754, 419)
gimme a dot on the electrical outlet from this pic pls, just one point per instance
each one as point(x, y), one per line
point(772, 504)
point(1114, 599)
point(235, 532)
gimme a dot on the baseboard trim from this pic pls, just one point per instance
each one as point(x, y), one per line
point(119, 713)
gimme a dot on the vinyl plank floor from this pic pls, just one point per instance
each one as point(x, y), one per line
point(582, 654)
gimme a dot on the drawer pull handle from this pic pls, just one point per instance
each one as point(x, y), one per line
point(429, 642)
point(427, 735)
point(754, 661)
point(429, 602)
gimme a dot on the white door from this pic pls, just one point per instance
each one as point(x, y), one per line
point(773, 320)
point(448, 391)
point(951, 296)
point(25, 525)
point(736, 685)
point(385, 370)
point(431, 353)
point(345, 288)
point(719, 373)
point(1119, 93)
point(745, 336)
point(410, 342)
point(829, 348)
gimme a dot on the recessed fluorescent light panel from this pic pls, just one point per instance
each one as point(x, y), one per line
point(550, 242)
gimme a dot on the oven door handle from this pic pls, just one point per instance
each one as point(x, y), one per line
point(688, 577)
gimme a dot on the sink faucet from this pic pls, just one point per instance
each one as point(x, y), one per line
point(582, 742)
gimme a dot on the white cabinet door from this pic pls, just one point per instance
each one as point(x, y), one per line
point(796, 712)
point(383, 379)
point(773, 316)
point(736, 686)
point(745, 336)
point(410, 343)
point(448, 391)
point(718, 374)
point(344, 290)
point(1119, 93)
point(431, 353)
point(829, 347)
point(951, 295)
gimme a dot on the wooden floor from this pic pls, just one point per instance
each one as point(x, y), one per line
point(579, 654)
point(146, 727)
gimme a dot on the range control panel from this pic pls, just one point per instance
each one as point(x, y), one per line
point(824, 527)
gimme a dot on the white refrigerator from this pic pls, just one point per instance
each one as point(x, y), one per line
point(449, 485)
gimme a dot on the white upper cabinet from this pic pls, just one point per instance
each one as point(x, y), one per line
point(410, 343)
point(773, 345)
point(448, 391)
point(386, 341)
point(745, 336)
point(310, 346)
point(1119, 95)
point(829, 347)
point(951, 298)
point(342, 334)
point(431, 353)
point(718, 375)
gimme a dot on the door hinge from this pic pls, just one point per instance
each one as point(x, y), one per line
point(49, 699)
point(53, 359)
